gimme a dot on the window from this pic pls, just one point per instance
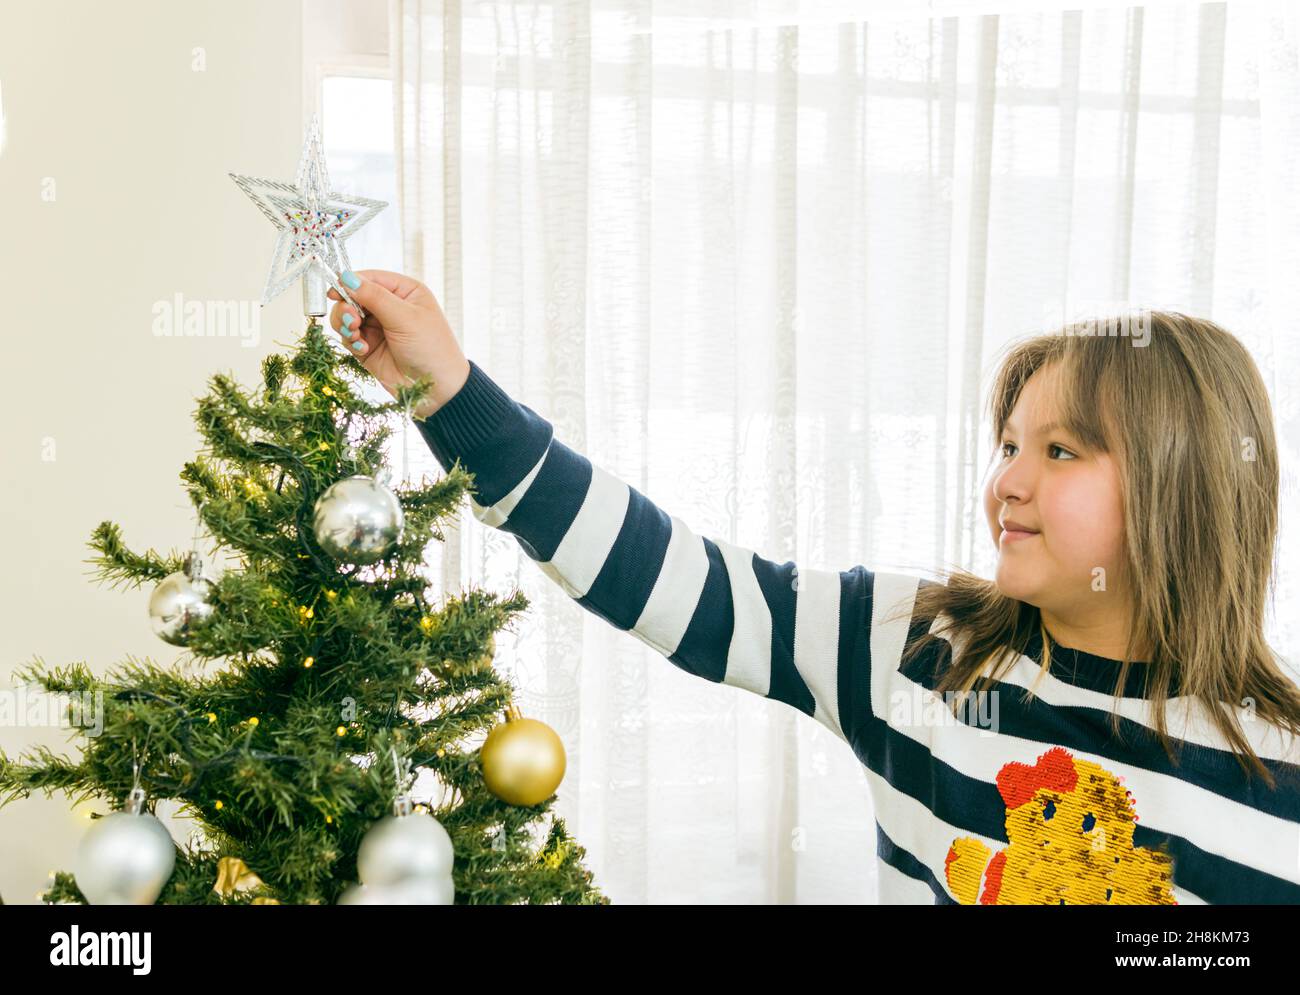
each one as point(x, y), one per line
point(357, 130)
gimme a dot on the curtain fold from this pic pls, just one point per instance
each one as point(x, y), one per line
point(761, 272)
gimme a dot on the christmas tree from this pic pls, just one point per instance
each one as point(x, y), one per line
point(329, 682)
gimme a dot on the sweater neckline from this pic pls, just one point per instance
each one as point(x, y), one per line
point(1090, 671)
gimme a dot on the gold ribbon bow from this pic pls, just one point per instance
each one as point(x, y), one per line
point(233, 875)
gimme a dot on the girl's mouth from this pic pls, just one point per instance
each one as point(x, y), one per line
point(1014, 535)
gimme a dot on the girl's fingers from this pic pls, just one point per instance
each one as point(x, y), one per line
point(344, 319)
point(398, 284)
point(362, 344)
point(336, 313)
point(359, 336)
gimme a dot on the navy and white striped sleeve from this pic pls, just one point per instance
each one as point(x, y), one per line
point(713, 609)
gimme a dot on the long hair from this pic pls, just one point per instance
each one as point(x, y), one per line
point(1187, 419)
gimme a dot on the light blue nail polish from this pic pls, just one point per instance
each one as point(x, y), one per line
point(347, 319)
point(358, 345)
point(351, 279)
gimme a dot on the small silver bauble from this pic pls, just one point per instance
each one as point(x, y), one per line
point(359, 894)
point(125, 858)
point(417, 891)
point(401, 848)
point(180, 602)
point(358, 520)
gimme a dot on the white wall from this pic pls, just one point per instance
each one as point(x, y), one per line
point(102, 98)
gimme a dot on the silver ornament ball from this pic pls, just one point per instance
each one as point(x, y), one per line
point(416, 891)
point(125, 859)
point(180, 603)
point(359, 894)
point(358, 520)
point(400, 848)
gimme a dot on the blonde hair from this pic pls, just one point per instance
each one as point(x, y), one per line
point(1187, 419)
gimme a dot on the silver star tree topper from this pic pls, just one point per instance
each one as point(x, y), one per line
point(313, 221)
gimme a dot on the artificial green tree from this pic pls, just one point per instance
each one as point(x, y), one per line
point(313, 673)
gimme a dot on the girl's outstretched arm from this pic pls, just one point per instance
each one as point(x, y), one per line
point(713, 609)
point(716, 610)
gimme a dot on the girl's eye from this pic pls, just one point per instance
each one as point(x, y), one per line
point(1050, 447)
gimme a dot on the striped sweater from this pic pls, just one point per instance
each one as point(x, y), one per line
point(1016, 800)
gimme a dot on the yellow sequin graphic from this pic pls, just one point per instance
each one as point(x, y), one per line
point(1070, 826)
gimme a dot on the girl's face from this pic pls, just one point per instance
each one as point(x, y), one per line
point(1045, 480)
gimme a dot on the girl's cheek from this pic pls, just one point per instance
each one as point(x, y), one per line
point(1084, 527)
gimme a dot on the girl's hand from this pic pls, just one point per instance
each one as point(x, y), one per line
point(404, 335)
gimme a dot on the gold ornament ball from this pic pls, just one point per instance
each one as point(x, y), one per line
point(523, 760)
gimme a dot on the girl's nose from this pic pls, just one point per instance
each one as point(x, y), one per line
point(1014, 482)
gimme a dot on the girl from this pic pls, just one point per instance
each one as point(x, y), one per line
point(1133, 501)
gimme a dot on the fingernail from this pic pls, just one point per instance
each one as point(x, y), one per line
point(358, 346)
point(351, 279)
point(347, 319)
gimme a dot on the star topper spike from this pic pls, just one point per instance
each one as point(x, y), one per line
point(313, 222)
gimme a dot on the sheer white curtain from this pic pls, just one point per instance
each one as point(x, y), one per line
point(760, 272)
